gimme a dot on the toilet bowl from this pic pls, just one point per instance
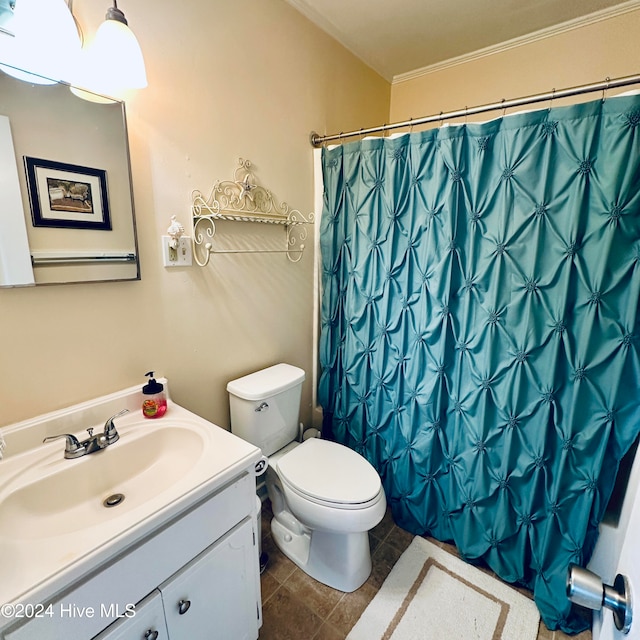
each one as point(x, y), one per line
point(324, 496)
point(324, 530)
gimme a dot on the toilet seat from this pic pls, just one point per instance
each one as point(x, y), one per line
point(331, 474)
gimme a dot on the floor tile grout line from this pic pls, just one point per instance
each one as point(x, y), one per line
point(342, 597)
point(395, 538)
point(280, 585)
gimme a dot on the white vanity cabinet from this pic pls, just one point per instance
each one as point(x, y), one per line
point(175, 558)
point(148, 623)
point(212, 598)
point(216, 585)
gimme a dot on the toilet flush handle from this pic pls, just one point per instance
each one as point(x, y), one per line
point(262, 407)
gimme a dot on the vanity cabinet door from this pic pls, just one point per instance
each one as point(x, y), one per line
point(217, 595)
point(146, 623)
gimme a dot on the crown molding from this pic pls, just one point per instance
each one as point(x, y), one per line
point(542, 34)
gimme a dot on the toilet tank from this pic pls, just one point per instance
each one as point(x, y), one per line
point(265, 406)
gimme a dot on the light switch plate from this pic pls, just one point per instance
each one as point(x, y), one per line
point(180, 257)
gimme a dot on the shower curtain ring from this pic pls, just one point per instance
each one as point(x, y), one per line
point(504, 109)
point(410, 125)
point(441, 118)
point(553, 95)
point(466, 113)
point(604, 91)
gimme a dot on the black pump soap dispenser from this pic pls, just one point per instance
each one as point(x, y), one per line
point(154, 399)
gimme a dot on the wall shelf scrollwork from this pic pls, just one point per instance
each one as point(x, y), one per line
point(244, 200)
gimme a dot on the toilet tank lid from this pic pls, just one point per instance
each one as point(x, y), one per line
point(266, 382)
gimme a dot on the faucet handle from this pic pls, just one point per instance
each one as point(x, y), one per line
point(110, 432)
point(73, 448)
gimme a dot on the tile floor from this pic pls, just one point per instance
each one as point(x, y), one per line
point(296, 607)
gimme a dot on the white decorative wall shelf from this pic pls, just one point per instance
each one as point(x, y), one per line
point(244, 200)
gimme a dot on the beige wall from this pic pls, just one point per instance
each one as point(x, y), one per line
point(609, 48)
point(250, 79)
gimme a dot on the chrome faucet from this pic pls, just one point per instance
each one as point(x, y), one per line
point(74, 448)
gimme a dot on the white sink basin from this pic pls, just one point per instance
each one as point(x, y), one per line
point(54, 527)
point(68, 495)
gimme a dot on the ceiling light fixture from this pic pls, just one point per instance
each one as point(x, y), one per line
point(112, 63)
point(42, 42)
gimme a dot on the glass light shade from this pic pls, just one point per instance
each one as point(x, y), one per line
point(112, 63)
point(46, 44)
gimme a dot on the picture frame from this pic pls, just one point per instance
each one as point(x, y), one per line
point(67, 196)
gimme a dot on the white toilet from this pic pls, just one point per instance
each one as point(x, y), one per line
point(325, 497)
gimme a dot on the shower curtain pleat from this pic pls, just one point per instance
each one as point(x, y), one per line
point(479, 329)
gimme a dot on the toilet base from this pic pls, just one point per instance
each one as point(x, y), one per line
point(339, 560)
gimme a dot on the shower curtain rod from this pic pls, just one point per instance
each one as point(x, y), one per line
point(317, 140)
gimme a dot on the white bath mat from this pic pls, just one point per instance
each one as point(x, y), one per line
point(432, 595)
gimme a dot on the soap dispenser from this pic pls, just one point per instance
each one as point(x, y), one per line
point(154, 399)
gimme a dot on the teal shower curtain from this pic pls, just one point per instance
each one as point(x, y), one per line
point(479, 329)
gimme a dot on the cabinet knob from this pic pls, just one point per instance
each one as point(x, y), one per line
point(183, 606)
point(152, 634)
